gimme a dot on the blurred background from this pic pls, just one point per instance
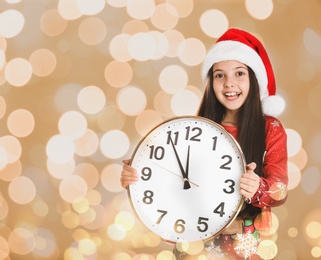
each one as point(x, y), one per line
point(82, 81)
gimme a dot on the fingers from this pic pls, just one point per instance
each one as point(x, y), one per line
point(250, 181)
point(251, 166)
point(128, 175)
point(126, 162)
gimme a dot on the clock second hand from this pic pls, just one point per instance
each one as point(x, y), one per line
point(175, 173)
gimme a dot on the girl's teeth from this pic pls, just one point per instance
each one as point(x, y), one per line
point(230, 94)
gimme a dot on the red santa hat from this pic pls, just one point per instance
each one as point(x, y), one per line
point(242, 46)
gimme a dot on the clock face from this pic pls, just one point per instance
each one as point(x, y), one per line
point(189, 170)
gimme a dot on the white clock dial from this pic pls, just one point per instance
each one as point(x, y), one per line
point(183, 208)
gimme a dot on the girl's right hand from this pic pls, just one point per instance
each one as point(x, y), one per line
point(128, 175)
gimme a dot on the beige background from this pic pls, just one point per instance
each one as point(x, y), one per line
point(38, 217)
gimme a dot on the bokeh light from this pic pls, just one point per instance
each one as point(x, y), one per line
point(311, 180)
point(173, 78)
point(174, 39)
point(43, 62)
point(72, 188)
point(92, 31)
point(11, 23)
point(312, 41)
point(4, 248)
point(114, 144)
point(18, 72)
point(118, 47)
point(87, 144)
point(294, 142)
point(183, 7)
point(91, 7)
point(2, 59)
point(146, 121)
point(60, 170)
point(21, 123)
point(91, 100)
point(214, 23)
point(72, 124)
point(185, 102)
point(142, 46)
point(140, 9)
point(21, 241)
point(118, 74)
point(68, 9)
point(22, 190)
point(165, 17)
point(52, 24)
point(131, 100)
point(191, 51)
point(4, 209)
point(12, 148)
point(60, 149)
point(3, 107)
point(89, 173)
point(294, 176)
point(110, 177)
point(259, 9)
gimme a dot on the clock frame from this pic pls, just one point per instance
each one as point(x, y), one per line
point(189, 170)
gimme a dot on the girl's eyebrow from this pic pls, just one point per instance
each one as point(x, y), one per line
point(236, 68)
point(241, 67)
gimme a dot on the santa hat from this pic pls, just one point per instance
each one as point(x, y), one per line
point(242, 46)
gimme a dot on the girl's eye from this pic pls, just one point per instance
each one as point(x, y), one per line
point(218, 75)
point(240, 73)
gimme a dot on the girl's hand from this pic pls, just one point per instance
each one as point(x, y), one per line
point(250, 181)
point(128, 174)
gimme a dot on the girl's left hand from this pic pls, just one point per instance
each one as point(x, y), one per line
point(250, 181)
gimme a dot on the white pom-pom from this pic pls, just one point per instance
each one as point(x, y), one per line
point(273, 105)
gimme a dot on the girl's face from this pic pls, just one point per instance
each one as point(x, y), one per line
point(231, 84)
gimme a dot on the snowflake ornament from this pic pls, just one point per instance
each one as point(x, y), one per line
point(214, 252)
point(246, 245)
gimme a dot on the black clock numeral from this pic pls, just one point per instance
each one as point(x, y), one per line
point(169, 137)
point(230, 186)
point(179, 226)
point(148, 197)
point(195, 136)
point(220, 209)
point(225, 166)
point(163, 213)
point(214, 143)
point(146, 173)
point(157, 152)
point(202, 221)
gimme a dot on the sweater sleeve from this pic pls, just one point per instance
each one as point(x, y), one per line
point(272, 190)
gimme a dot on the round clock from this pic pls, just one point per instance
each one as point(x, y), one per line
point(189, 170)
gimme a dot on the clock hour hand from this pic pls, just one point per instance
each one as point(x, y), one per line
point(185, 177)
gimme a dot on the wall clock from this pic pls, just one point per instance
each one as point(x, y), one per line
point(189, 170)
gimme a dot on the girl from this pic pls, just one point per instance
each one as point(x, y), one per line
point(240, 95)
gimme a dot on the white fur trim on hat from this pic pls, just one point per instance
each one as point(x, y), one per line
point(234, 50)
point(273, 105)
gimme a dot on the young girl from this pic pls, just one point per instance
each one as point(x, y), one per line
point(240, 95)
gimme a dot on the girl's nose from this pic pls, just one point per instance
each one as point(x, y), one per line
point(229, 83)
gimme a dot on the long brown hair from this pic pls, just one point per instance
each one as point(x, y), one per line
point(250, 123)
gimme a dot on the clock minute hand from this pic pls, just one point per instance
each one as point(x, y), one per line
point(185, 177)
point(187, 163)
